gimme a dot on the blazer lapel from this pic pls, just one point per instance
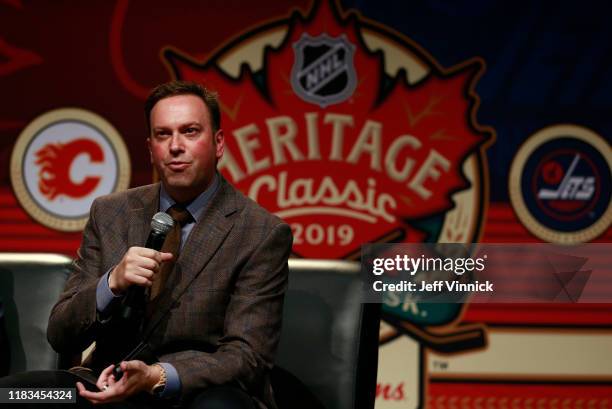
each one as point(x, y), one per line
point(203, 242)
point(143, 207)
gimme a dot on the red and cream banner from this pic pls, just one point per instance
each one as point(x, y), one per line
point(351, 132)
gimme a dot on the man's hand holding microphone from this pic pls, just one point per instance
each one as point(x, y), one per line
point(135, 272)
point(137, 267)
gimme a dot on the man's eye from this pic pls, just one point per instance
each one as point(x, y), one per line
point(191, 130)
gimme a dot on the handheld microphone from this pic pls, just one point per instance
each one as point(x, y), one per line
point(134, 301)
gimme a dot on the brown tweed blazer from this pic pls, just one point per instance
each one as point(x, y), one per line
point(226, 302)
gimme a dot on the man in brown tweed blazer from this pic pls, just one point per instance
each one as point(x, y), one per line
point(219, 318)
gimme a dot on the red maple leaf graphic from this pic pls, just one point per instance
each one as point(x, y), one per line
point(389, 153)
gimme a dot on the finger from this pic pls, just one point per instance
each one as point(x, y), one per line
point(142, 251)
point(161, 257)
point(166, 256)
point(93, 397)
point(148, 263)
point(83, 392)
point(125, 365)
point(102, 385)
point(80, 387)
point(89, 395)
point(111, 381)
point(138, 279)
point(135, 376)
point(108, 371)
point(102, 382)
point(138, 271)
point(146, 272)
point(158, 256)
point(109, 395)
point(132, 366)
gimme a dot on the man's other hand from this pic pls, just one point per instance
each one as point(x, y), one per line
point(138, 266)
point(137, 377)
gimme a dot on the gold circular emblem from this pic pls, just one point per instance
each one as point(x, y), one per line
point(517, 195)
point(62, 161)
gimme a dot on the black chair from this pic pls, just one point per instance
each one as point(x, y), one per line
point(30, 284)
point(329, 342)
point(327, 356)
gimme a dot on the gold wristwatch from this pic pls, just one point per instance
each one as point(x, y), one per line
point(158, 388)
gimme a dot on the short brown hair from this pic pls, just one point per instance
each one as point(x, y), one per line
point(173, 88)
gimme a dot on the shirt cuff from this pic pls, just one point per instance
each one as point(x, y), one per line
point(173, 382)
point(104, 295)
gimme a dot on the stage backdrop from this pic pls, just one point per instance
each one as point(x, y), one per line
point(356, 122)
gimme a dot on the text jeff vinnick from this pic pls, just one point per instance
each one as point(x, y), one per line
point(434, 286)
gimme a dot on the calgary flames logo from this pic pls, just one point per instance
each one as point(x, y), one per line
point(55, 160)
point(62, 161)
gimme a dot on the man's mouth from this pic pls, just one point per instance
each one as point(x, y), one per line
point(177, 166)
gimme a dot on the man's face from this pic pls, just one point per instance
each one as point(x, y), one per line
point(183, 148)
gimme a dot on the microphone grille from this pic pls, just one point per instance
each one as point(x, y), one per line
point(162, 222)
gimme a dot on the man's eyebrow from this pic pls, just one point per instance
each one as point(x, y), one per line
point(187, 125)
point(182, 126)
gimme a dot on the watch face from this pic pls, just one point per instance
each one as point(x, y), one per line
point(157, 391)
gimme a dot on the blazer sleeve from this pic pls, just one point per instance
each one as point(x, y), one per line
point(252, 323)
point(72, 321)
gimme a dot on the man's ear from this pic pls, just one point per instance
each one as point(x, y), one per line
point(150, 153)
point(219, 143)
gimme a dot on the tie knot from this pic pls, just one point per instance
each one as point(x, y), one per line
point(180, 214)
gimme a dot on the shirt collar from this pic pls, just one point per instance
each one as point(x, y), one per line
point(197, 205)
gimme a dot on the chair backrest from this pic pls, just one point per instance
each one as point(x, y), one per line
point(30, 284)
point(329, 339)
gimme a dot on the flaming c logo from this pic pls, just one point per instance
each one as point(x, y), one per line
point(62, 161)
point(55, 160)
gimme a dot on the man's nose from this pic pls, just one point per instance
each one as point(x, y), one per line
point(176, 143)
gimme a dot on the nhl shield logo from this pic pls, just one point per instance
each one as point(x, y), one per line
point(323, 72)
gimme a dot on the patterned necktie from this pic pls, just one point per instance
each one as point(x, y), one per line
point(172, 244)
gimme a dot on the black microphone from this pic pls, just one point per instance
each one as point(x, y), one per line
point(134, 302)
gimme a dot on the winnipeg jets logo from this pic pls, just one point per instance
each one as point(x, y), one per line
point(572, 187)
point(560, 183)
point(323, 72)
